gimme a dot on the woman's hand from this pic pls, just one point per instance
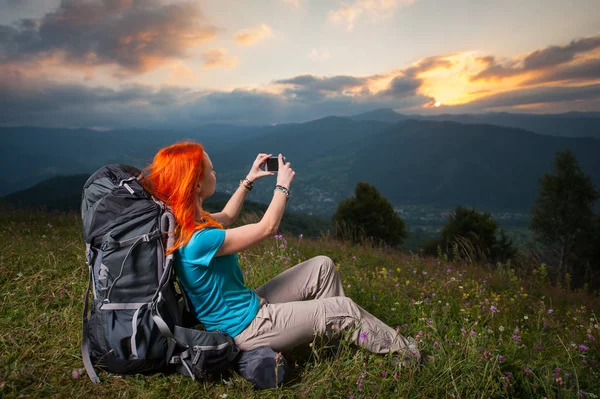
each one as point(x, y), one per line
point(286, 174)
point(255, 171)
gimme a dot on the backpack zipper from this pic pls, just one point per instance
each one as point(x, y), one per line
point(199, 349)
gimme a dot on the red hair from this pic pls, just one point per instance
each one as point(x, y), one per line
point(172, 178)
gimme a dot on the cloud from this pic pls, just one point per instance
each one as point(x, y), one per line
point(538, 60)
point(217, 57)
point(48, 103)
point(134, 35)
point(180, 74)
point(38, 91)
point(295, 3)
point(318, 55)
point(427, 64)
point(253, 35)
point(331, 84)
point(408, 82)
point(534, 95)
point(348, 14)
point(583, 71)
point(403, 86)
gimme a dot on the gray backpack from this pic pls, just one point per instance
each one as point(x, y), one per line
point(134, 325)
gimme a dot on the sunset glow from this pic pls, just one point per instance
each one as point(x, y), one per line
point(182, 62)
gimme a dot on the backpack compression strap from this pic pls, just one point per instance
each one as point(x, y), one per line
point(85, 347)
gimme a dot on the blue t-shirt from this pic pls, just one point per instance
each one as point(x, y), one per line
point(215, 285)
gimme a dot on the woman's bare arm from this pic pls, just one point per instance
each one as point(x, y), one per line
point(241, 238)
point(232, 209)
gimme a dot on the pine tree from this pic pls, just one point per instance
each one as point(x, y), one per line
point(474, 235)
point(369, 215)
point(563, 214)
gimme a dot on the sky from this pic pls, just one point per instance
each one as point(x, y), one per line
point(107, 64)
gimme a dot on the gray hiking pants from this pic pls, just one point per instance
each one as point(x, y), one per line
point(286, 318)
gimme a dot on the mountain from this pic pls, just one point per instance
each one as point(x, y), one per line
point(63, 193)
point(438, 163)
point(570, 124)
point(449, 163)
point(413, 162)
point(383, 115)
point(29, 155)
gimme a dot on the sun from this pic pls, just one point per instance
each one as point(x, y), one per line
point(437, 104)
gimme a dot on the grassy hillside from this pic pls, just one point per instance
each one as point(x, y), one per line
point(493, 335)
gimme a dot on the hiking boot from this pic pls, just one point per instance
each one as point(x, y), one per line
point(409, 356)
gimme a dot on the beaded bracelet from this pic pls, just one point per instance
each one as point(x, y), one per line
point(247, 184)
point(283, 190)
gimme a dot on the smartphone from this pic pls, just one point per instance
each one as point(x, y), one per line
point(272, 164)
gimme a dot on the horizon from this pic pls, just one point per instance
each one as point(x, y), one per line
point(108, 64)
point(249, 125)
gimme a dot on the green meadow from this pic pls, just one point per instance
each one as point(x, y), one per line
point(494, 332)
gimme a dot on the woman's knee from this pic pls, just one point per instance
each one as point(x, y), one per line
point(325, 263)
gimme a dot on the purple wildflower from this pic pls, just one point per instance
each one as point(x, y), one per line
point(550, 311)
point(583, 347)
point(493, 309)
point(362, 337)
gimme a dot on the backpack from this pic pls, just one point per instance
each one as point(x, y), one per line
point(135, 321)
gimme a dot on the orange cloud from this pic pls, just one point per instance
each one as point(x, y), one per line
point(448, 81)
point(182, 75)
point(251, 36)
point(134, 36)
point(538, 60)
point(483, 80)
point(217, 57)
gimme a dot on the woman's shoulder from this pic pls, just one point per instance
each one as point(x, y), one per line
point(206, 235)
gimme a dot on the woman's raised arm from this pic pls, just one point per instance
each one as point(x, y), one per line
point(232, 209)
point(243, 237)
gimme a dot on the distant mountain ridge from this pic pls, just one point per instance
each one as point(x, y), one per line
point(570, 124)
point(412, 161)
point(63, 193)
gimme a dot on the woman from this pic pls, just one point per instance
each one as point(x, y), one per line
point(286, 311)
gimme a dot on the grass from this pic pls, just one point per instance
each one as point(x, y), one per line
point(493, 334)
